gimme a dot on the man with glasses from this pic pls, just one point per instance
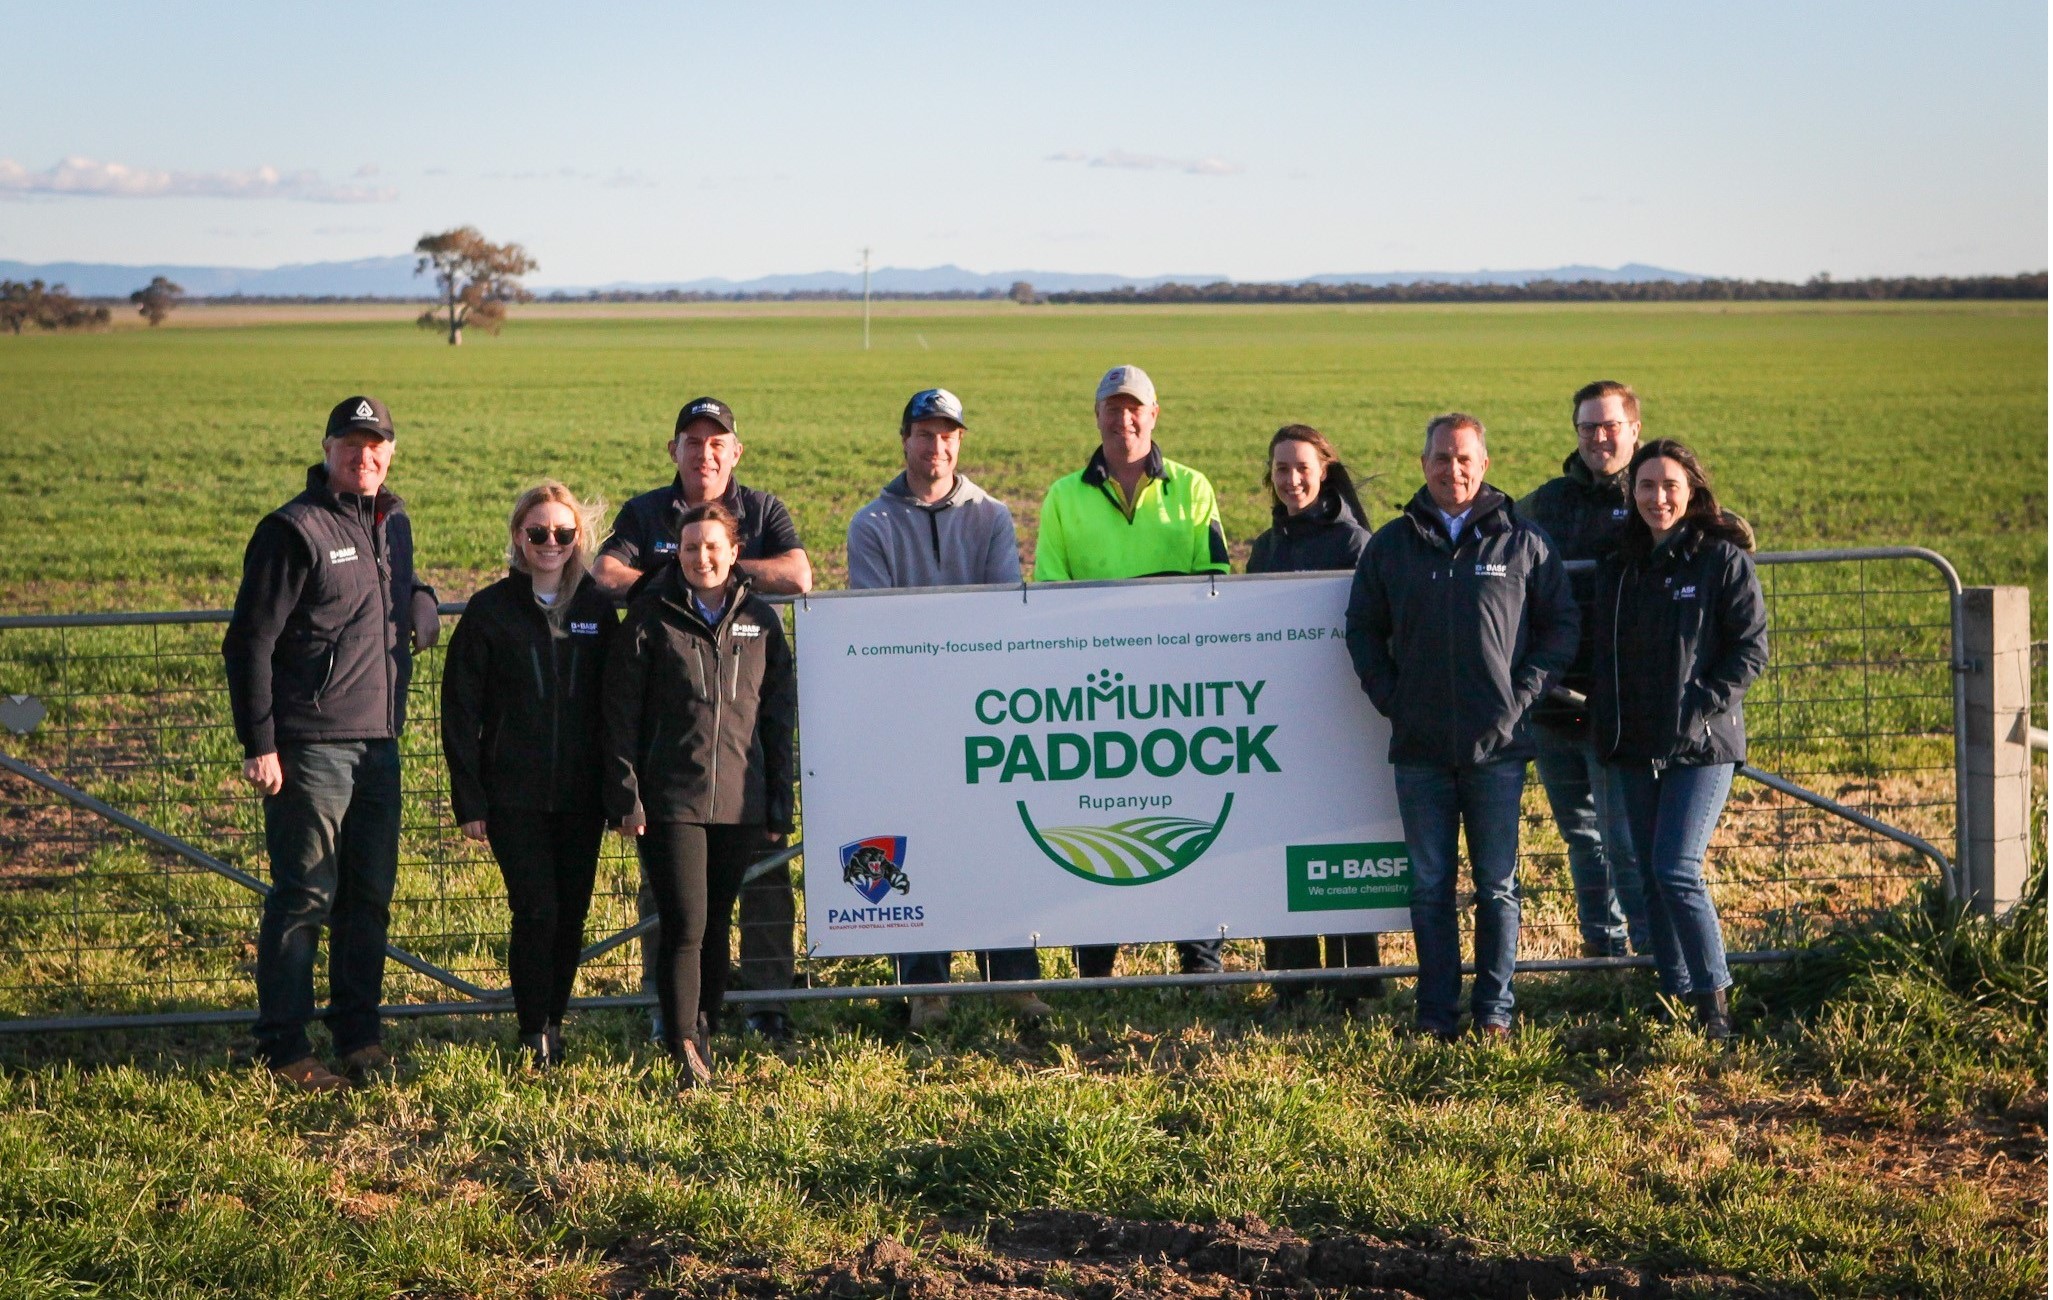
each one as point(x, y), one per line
point(318, 651)
point(705, 445)
point(1584, 512)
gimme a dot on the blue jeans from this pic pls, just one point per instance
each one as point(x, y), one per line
point(1437, 803)
point(1609, 905)
point(1672, 811)
point(333, 836)
point(998, 964)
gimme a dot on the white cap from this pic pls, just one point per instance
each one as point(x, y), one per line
point(1131, 380)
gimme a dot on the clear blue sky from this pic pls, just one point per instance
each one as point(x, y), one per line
point(672, 142)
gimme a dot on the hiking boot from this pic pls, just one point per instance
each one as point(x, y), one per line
point(367, 1063)
point(927, 1013)
point(308, 1074)
point(1714, 1015)
point(534, 1051)
point(1026, 1006)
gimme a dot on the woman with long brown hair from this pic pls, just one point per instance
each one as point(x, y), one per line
point(520, 728)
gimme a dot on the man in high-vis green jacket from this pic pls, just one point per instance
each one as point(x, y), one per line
point(1130, 513)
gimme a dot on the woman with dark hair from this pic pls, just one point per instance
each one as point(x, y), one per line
point(699, 705)
point(520, 728)
point(1317, 523)
point(1681, 630)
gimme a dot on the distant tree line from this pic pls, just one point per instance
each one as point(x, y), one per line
point(47, 306)
point(1817, 288)
point(789, 295)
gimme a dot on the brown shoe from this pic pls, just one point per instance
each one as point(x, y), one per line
point(367, 1063)
point(1493, 1032)
point(694, 1064)
point(927, 1013)
point(1026, 1006)
point(308, 1075)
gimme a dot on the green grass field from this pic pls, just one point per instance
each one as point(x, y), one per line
point(1881, 1130)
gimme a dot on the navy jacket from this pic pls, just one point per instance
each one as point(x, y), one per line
point(1455, 641)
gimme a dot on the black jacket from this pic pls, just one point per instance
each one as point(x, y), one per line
point(320, 647)
point(1584, 514)
point(520, 702)
point(1678, 637)
point(698, 719)
point(1453, 642)
point(1328, 535)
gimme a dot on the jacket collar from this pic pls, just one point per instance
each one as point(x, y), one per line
point(1612, 487)
point(731, 498)
point(317, 487)
point(957, 494)
point(1097, 472)
point(1321, 514)
point(1489, 514)
point(673, 591)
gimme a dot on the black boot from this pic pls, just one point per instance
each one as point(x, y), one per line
point(1713, 1015)
point(553, 1038)
point(534, 1051)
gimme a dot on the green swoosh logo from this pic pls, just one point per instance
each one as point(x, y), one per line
point(1138, 851)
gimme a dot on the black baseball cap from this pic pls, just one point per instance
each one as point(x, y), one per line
point(360, 414)
point(705, 408)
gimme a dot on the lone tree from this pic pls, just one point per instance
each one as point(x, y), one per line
point(49, 307)
point(155, 302)
point(477, 278)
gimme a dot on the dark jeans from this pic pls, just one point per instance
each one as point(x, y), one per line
point(1194, 956)
point(695, 871)
point(1301, 952)
point(1672, 811)
point(769, 922)
point(332, 833)
point(548, 861)
point(997, 964)
point(1609, 904)
point(1436, 805)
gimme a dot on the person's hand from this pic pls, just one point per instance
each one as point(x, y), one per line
point(632, 826)
point(473, 830)
point(265, 773)
point(427, 622)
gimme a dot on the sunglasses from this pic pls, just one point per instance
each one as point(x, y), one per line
point(537, 535)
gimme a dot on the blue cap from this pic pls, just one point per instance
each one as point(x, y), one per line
point(931, 404)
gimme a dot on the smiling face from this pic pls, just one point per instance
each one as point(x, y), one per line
point(1455, 463)
point(706, 554)
point(1126, 428)
point(706, 455)
point(549, 555)
point(931, 448)
point(357, 462)
point(1297, 474)
point(1661, 493)
point(1605, 436)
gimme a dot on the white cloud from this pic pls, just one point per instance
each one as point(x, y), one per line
point(86, 178)
point(1148, 162)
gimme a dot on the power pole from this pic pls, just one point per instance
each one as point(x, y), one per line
point(866, 300)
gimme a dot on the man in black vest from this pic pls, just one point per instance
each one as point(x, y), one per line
point(319, 650)
point(705, 445)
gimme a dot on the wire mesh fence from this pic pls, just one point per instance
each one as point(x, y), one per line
point(1857, 705)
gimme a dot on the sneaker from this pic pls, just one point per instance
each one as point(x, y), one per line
point(1026, 1006)
point(773, 1025)
point(367, 1063)
point(928, 1013)
point(308, 1075)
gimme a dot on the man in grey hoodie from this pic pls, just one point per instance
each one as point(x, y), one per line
point(932, 527)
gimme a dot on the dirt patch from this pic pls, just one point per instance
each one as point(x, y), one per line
point(1094, 1257)
point(41, 845)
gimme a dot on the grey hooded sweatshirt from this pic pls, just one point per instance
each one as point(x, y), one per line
point(964, 539)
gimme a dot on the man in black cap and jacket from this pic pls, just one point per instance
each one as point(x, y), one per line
point(1459, 620)
point(318, 653)
point(705, 445)
point(1584, 512)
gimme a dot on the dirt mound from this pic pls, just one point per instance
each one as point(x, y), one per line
point(1093, 1257)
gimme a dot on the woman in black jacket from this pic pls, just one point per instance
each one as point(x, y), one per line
point(700, 706)
point(1317, 523)
point(520, 728)
point(1681, 630)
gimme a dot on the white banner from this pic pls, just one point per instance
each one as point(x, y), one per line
point(1179, 759)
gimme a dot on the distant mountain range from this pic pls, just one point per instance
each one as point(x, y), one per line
point(393, 277)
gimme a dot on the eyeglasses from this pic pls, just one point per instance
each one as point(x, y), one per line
point(539, 536)
point(1612, 427)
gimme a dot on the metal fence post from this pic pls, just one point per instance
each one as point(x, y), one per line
point(1994, 733)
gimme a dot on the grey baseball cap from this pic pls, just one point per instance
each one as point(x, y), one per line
point(1130, 380)
point(931, 404)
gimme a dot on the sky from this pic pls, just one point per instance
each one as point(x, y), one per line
point(623, 142)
